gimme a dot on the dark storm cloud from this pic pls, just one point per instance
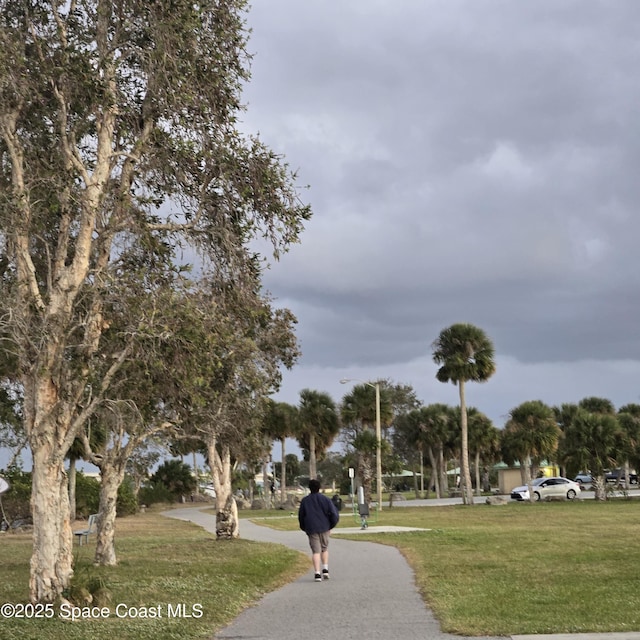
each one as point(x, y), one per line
point(467, 161)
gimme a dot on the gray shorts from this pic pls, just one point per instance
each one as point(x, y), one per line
point(319, 541)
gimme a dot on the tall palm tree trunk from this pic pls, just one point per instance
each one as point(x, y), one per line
point(435, 475)
point(467, 490)
point(442, 470)
point(313, 471)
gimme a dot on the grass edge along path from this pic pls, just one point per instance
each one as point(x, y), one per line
point(173, 580)
point(556, 567)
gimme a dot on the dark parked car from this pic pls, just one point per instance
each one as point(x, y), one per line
point(617, 476)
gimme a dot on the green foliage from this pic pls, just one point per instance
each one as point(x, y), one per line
point(155, 493)
point(531, 433)
point(16, 501)
point(121, 154)
point(88, 586)
point(365, 442)
point(331, 469)
point(127, 503)
point(317, 415)
point(465, 353)
point(176, 476)
point(358, 407)
point(292, 464)
point(87, 495)
point(590, 441)
point(594, 404)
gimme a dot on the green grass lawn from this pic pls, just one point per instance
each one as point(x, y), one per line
point(553, 567)
point(165, 567)
point(515, 569)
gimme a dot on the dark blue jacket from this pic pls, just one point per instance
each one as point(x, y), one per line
point(317, 514)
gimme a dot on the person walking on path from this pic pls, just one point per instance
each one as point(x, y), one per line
point(317, 516)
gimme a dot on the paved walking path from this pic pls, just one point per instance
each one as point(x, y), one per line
point(371, 595)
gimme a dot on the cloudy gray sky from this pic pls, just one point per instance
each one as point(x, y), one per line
point(467, 161)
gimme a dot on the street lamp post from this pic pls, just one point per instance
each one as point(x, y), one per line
point(376, 386)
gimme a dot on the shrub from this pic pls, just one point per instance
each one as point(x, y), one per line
point(154, 493)
point(176, 476)
point(127, 502)
point(87, 495)
point(16, 502)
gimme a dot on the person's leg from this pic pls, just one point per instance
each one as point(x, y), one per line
point(324, 554)
point(316, 551)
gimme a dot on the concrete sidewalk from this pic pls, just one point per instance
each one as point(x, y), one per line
point(371, 595)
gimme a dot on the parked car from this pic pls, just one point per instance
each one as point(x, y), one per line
point(617, 475)
point(544, 488)
point(583, 478)
point(209, 490)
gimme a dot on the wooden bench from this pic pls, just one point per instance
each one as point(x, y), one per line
point(83, 534)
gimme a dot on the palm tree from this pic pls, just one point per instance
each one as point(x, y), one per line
point(484, 442)
point(405, 443)
point(465, 353)
point(280, 422)
point(318, 425)
point(629, 421)
point(564, 415)
point(593, 404)
point(436, 422)
point(358, 413)
point(531, 435)
point(590, 443)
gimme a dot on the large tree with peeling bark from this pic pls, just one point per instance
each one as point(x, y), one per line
point(226, 376)
point(118, 142)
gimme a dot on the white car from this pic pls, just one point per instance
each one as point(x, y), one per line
point(548, 488)
point(209, 490)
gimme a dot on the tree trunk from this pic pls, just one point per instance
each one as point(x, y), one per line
point(137, 485)
point(599, 487)
point(526, 467)
point(266, 485)
point(111, 477)
point(313, 471)
point(486, 480)
point(535, 468)
point(52, 557)
point(283, 474)
point(227, 519)
point(467, 490)
point(227, 523)
point(435, 475)
point(477, 470)
point(442, 472)
point(627, 478)
point(72, 489)
point(365, 469)
point(195, 471)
